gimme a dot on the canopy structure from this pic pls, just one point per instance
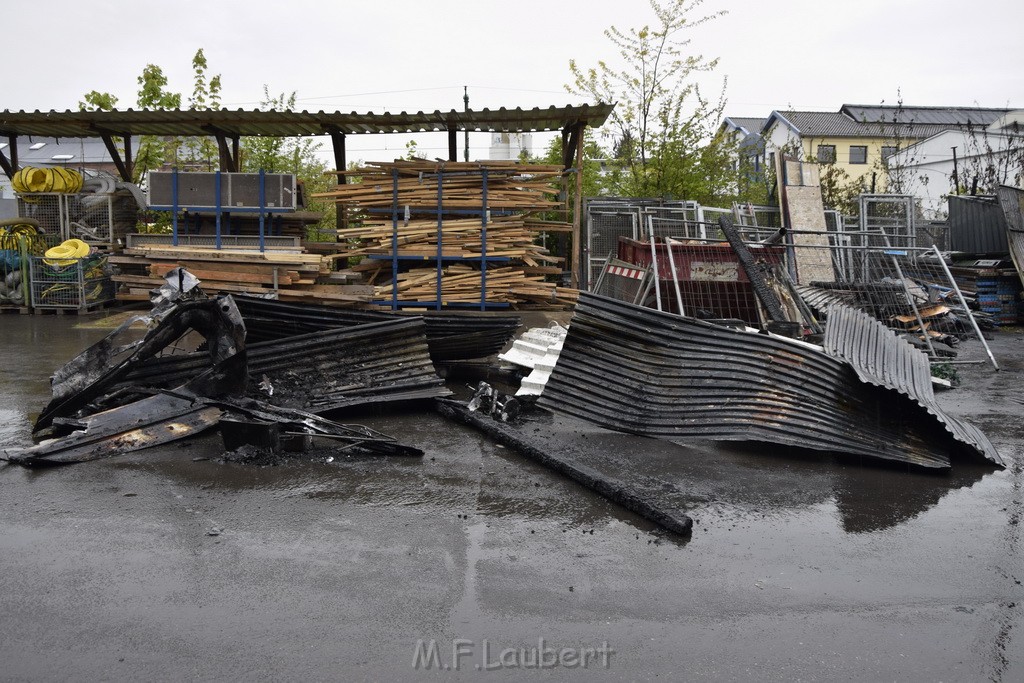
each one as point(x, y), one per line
point(228, 126)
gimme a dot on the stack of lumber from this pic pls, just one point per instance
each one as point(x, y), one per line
point(293, 275)
point(450, 226)
point(460, 284)
point(507, 236)
point(510, 185)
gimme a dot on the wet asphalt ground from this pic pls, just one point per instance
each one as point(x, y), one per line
point(170, 564)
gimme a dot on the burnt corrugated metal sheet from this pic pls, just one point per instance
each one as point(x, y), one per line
point(881, 299)
point(977, 225)
point(881, 358)
point(1012, 201)
point(321, 371)
point(89, 124)
point(819, 298)
point(451, 336)
point(641, 371)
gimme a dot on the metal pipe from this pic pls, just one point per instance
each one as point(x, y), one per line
point(218, 209)
point(174, 208)
point(974, 323)
point(675, 275)
point(263, 204)
point(654, 265)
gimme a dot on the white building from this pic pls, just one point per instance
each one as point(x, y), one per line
point(990, 156)
point(510, 146)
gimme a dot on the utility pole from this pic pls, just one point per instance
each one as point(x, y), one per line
point(465, 102)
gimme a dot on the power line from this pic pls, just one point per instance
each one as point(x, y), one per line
point(407, 90)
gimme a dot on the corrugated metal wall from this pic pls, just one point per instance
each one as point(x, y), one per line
point(977, 225)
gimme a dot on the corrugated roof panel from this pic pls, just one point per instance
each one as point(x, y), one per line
point(636, 370)
point(451, 335)
point(324, 370)
point(977, 225)
point(292, 123)
point(881, 358)
point(1012, 201)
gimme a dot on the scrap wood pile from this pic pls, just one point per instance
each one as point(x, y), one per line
point(510, 185)
point(487, 209)
point(294, 275)
point(507, 236)
point(461, 283)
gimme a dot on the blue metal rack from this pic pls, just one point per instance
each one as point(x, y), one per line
point(440, 259)
point(218, 209)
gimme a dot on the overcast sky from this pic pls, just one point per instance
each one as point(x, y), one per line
point(413, 55)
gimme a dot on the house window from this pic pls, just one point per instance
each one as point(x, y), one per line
point(889, 150)
point(858, 154)
point(826, 154)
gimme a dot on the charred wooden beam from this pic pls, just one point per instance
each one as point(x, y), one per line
point(340, 164)
point(610, 488)
point(453, 144)
point(6, 165)
point(577, 243)
point(12, 141)
point(753, 270)
point(228, 163)
point(123, 168)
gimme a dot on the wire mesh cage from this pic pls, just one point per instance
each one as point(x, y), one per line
point(49, 210)
point(102, 214)
point(16, 248)
point(606, 222)
point(70, 283)
point(91, 218)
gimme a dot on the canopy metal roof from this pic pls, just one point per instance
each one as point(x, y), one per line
point(73, 124)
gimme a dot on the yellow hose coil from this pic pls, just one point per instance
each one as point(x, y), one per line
point(62, 180)
point(66, 253)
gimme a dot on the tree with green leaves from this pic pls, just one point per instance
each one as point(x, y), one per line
point(95, 100)
point(153, 93)
point(601, 176)
point(838, 190)
point(201, 153)
point(291, 155)
point(663, 125)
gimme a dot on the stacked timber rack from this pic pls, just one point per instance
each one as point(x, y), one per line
point(472, 226)
point(259, 264)
point(285, 274)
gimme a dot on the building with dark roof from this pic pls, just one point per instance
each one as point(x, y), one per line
point(858, 138)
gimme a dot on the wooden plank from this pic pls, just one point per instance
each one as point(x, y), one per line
point(204, 274)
